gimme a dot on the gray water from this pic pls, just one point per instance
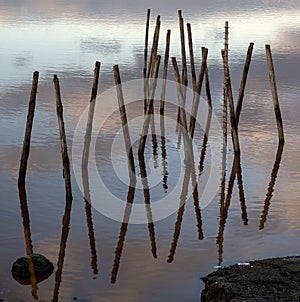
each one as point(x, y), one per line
point(66, 38)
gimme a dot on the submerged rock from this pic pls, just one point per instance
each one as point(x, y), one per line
point(276, 279)
point(43, 268)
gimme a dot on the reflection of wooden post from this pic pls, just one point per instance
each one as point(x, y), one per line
point(62, 248)
point(164, 153)
point(63, 140)
point(180, 212)
point(165, 71)
point(28, 242)
point(243, 83)
point(274, 93)
point(152, 89)
point(272, 182)
point(26, 143)
point(147, 204)
point(123, 230)
point(224, 208)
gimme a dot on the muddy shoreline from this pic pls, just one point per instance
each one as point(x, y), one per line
point(274, 279)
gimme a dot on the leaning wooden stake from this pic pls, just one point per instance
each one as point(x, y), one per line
point(63, 140)
point(125, 128)
point(27, 137)
point(183, 55)
point(192, 61)
point(165, 72)
point(89, 124)
point(146, 43)
point(152, 89)
point(274, 93)
point(234, 131)
point(243, 83)
point(154, 46)
point(196, 99)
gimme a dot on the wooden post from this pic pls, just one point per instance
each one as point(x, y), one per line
point(165, 71)
point(234, 131)
point(63, 140)
point(183, 55)
point(89, 124)
point(188, 148)
point(126, 134)
point(146, 43)
point(196, 99)
point(154, 46)
point(274, 93)
point(27, 137)
point(192, 61)
point(243, 83)
point(152, 89)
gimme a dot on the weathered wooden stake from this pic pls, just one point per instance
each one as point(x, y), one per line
point(63, 140)
point(27, 137)
point(126, 134)
point(146, 43)
point(243, 83)
point(89, 124)
point(154, 46)
point(152, 89)
point(188, 148)
point(274, 93)
point(165, 72)
point(183, 55)
point(234, 131)
point(196, 99)
point(192, 61)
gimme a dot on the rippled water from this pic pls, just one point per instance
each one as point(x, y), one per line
point(66, 38)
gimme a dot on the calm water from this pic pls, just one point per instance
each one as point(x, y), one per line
point(66, 38)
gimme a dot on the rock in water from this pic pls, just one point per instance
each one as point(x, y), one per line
point(43, 268)
point(276, 279)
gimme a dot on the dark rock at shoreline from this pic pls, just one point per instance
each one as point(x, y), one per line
point(43, 268)
point(276, 279)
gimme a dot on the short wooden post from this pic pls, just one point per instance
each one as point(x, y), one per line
point(63, 140)
point(27, 137)
point(274, 93)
